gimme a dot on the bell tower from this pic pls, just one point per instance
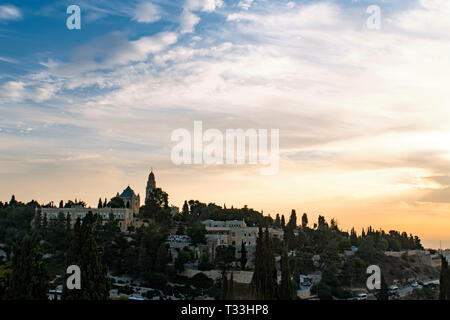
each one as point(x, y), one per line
point(151, 184)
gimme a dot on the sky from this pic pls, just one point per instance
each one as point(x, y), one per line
point(363, 112)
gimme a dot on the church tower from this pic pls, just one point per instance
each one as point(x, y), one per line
point(151, 184)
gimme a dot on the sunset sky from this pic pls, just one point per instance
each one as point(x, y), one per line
point(363, 114)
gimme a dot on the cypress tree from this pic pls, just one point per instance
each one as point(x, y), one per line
point(277, 223)
point(243, 259)
point(224, 285)
point(258, 275)
point(270, 269)
point(304, 220)
point(95, 284)
point(100, 204)
point(29, 279)
point(383, 293)
point(264, 281)
point(444, 281)
point(230, 292)
point(185, 210)
point(286, 289)
point(283, 222)
point(293, 220)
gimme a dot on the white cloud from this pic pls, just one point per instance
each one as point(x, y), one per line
point(203, 5)
point(10, 12)
point(147, 12)
point(189, 20)
point(12, 90)
point(9, 60)
point(245, 4)
point(290, 4)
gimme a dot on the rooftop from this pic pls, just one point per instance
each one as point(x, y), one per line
point(128, 193)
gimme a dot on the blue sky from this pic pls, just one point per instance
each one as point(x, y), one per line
point(362, 113)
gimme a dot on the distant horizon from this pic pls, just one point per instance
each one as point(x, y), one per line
point(426, 243)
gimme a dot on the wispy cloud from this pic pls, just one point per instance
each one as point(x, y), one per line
point(189, 20)
point(9, 12)
point(147, 12)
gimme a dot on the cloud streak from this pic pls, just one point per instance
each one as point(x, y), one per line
point(9, 12)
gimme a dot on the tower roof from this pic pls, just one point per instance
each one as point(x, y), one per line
point(128, 193)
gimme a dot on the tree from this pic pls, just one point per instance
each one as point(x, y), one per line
point(321, 222)
point(180, 230)
point(277, 223)
point(224, 285)
point(383, 293)
point(264, 281)
point(13, 201)
point(100, 204)
point(289, 232)
point(201, 281)
point(286, 289)
point(197, 233)
point(259, 272)
point(243, 259)
point(205, 263)
point(304, 220)
point(231, 288)
point(444, 281)
point(116, 202)
point(158, 199)
point(185, 210)
point(29, 279)
point(162, 258)
point(283, 222)
point(184, 256)
point(292, 220)
point(225, 256)
point(95, 284)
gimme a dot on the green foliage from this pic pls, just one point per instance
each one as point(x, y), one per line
point(205, 263)
point(197, 232)
point(243, 258)
point(304, 220)
point(383, 293)
point(444, 281)
point(5, 275)
point(116, 202)
point(95, 284)
point(225, 256)
point(264, 281)
point(15, 220)
point(29, 279)
point(185, 255)
point(286, 290)
point(201, 281)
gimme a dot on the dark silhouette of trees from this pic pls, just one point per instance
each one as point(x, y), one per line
point(29, 279)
